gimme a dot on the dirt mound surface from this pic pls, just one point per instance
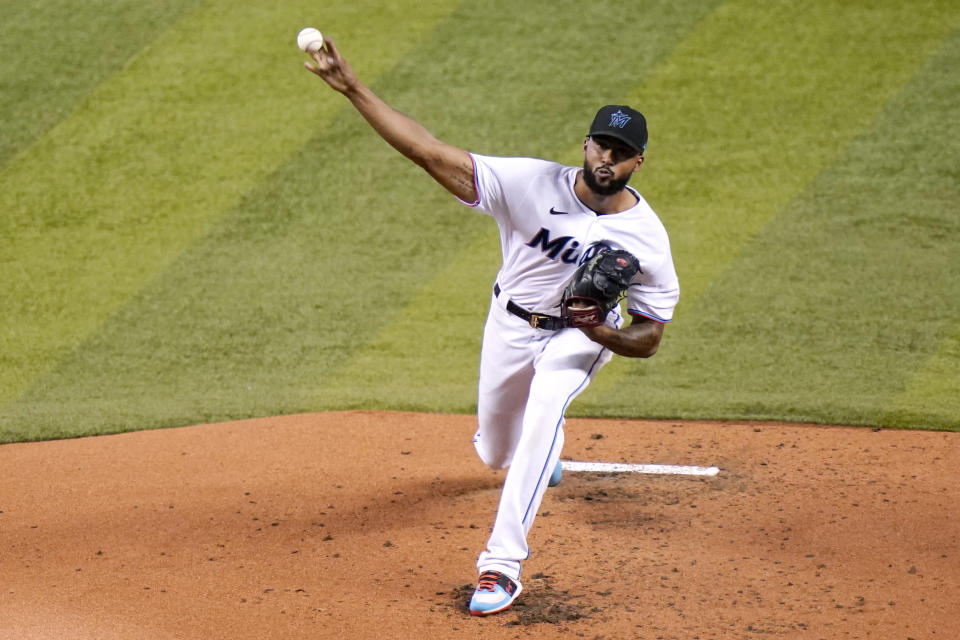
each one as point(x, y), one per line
point(367, 525)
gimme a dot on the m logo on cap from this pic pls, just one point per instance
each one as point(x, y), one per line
point(619, 119)
point(622, 122)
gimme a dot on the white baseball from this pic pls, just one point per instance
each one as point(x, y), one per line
point(309, 39)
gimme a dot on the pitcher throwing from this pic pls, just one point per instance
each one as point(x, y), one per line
point(540, 350)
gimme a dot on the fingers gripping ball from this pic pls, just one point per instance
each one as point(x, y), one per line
point(309, 40)
point(596, 287)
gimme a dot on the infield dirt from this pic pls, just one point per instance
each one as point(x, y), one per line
point(367, 525)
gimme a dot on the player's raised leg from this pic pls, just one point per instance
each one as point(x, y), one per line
point(506, 371)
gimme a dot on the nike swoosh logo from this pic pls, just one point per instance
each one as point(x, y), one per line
point(554, 212)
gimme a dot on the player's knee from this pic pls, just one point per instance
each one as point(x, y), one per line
point(498, 463)
point(493, 453)
point(496, 438)
point(493, 459)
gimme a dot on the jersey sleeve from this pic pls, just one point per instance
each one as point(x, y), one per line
point(498, 179)
point(654, 293)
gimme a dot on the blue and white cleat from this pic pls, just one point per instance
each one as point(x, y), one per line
point(494, 593)
point(556, 476)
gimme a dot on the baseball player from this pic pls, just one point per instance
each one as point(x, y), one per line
point(552, 218)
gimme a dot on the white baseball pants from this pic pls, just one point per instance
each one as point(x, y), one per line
point(528, 377)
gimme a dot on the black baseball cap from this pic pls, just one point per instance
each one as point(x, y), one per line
point(623, 123)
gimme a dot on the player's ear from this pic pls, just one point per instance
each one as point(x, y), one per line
point(585, 142)
point(639, 162)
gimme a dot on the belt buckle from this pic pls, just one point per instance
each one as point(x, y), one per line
point(535, 319)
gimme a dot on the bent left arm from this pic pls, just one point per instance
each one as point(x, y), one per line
point(640, 339)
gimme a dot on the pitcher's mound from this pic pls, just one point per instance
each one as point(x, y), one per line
point(367, 525)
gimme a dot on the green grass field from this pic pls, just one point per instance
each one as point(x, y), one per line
point(196, 229)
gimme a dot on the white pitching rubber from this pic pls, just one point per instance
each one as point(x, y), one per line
point(661, 469)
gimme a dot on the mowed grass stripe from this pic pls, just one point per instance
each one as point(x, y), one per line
point(53, 52)
point(426, 357)
point(740, 125)
point(155, 155)
point(932, 397)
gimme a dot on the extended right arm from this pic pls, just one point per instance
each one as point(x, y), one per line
point(450, 166)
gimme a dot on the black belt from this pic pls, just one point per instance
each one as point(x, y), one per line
point(536, 320)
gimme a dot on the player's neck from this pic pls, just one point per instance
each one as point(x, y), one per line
point(613, 203)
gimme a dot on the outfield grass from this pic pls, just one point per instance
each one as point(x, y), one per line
point(195, 229)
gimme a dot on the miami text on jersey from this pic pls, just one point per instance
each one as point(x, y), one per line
point(552, 248)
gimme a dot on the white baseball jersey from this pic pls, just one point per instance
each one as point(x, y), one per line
point(546, 232)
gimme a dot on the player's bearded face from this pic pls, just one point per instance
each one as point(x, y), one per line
point(607, 183)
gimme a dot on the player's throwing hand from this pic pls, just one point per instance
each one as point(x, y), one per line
point(330, 65)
